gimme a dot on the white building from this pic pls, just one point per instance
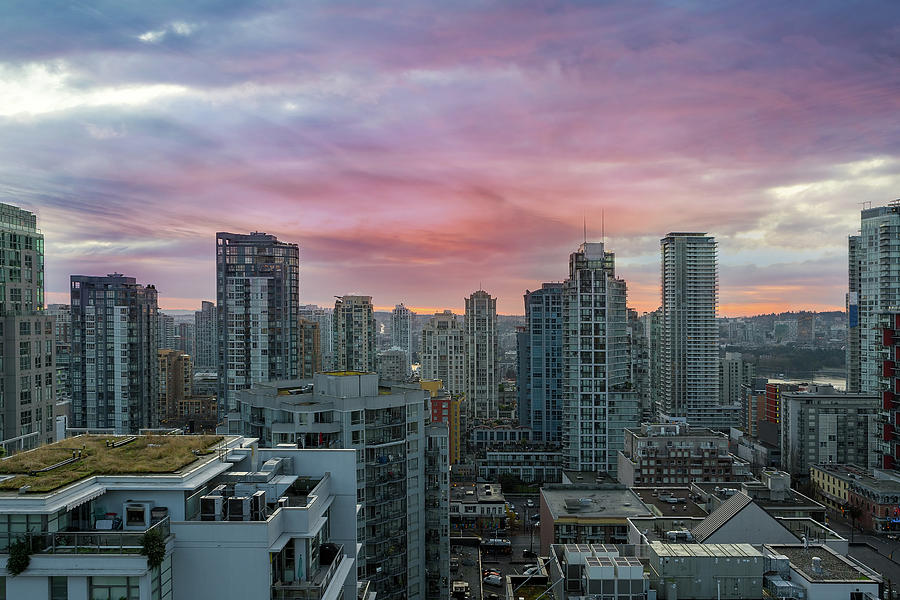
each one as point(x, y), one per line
point(874, 287)
point(354, 334)
point(689, 333)
point(481, 368)
point(442, 352)
point(233, 522)
point(599, 400)
point(401, 331)
point(386, 429)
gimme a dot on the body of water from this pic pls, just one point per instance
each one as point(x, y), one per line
point(822, 377)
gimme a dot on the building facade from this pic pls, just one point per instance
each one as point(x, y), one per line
point(28, 354)
point(354, 334)
point(689, 348)
point(401, 331)
point(391, 365)
point(257, 286)
point(206, 338)
point(175, 383)
point(310, 343)
point(386, 427)
point(282, 520)
point(437, 511)
point(442, 352)
point(445, 409)
point(540, 363)
point(165, 337)
point(675, 453)
point(873, 288)
point(325, 318)
point(734, 372)
point(481, 367)
point(63, 336)
point(114, 371)
point(822, 425)
point(599, 399)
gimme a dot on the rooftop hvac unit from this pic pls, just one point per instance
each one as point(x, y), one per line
point(258, 506)
point(239, 508)
point(211, 508)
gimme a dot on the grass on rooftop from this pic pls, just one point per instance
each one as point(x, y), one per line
point(531, 592)
point(146, 454)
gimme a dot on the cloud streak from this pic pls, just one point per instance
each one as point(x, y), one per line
point(418, 151)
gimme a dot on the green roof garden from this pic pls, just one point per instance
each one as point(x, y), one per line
point(55, 465)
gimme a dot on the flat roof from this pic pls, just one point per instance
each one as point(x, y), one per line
point(476, 492)
point(853, 474)
point(586, 502)
point(59, 464)
point(834, 566)
point(670, 509)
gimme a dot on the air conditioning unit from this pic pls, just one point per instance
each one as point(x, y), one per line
point(258, 506)
point(211, 508)
point(239, 508)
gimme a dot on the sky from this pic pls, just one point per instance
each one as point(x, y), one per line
point(418, 151)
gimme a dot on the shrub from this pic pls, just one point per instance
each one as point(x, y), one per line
point(19, 556)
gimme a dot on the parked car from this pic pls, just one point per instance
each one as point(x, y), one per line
point(492, 596)
point(531, 570)
point(493, 580)
point(488, 572)
point(526, 553)
point(536, 517)
point(529, 503)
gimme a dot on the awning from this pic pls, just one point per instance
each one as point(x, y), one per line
point(86, 498)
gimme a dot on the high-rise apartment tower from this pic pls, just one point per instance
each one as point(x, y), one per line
point(401, 331)
point(257, 285)
point(540, 363)
point(481, 366)
point(689, 333)
point(28, 337)
point(353, 331)
point(442, 352)
point(598, 397)
point(114, 371)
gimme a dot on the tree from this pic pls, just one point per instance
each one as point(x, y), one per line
point(852, 512)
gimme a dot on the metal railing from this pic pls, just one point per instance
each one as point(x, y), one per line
point(96, 542)
point(315, 588)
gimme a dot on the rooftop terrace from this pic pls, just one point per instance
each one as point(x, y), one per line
point(55, 465)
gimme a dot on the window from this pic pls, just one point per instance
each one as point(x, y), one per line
point(161, 580)
point(59, 588)
point(114, 588)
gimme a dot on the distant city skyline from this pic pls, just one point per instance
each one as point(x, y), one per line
point(414, 151)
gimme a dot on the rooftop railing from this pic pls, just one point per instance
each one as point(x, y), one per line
point(92, 542)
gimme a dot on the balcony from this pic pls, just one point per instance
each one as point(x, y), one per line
point(95, 542)
point(317, 585)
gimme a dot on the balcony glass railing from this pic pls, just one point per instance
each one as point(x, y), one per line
point(314, 588)
point(93, 542)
